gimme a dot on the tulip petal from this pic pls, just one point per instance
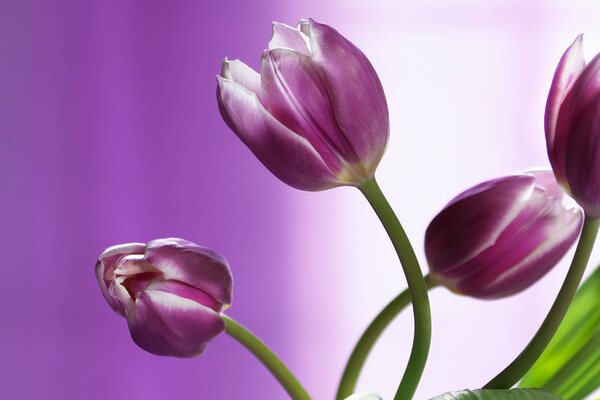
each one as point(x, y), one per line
point(168, 325)
point(187, 292)
point(356, 93)
point(197, 266)
point(243, 75)
point(580, 98)
point(287, 155)
point(107, 262)
point(295, 96)
point(546, 181)
point(582, 160)
point(286, 37)
point(484, 211)
point(569, 68)
point(132, 264)
point(528, 256)
point(527, 249)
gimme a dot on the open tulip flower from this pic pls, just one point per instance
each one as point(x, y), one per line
point(171, 292)
point(501, 236)
point(316, 115)
point(573, 127)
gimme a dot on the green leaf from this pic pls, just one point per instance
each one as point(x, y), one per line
point(497, 394)
point(570, 365)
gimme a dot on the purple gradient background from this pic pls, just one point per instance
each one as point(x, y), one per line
point(109, 133)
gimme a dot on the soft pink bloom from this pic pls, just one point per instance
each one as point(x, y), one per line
point(501, 236)
point(171, 292)
point(316, 115)
point(572, 124)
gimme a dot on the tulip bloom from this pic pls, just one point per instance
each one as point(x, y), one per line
point(316, 115)
point(171, 292)
point(572, 125)
point(501, 236)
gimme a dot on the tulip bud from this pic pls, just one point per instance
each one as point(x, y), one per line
point(572, 124)
point(171, 292)
point(316, 115)
point(501, 236)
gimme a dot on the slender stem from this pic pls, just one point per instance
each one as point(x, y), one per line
point(524, 361)
point(267, 358)
point(369, 338)
point(416, 288)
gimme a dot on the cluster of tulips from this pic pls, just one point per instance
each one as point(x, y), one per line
point(316, 116)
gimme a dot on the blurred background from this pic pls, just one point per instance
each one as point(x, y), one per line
point(110, 133)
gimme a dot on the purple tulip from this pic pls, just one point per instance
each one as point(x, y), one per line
point(171, 292)
point(501, 236)
point(572, 124)
point(316, 115)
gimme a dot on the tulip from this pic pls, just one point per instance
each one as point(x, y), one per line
point(171, 292)
point(572, 124)
point(501, 236)
point(316, 115)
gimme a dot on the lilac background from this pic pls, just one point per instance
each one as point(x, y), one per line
point(109, 133)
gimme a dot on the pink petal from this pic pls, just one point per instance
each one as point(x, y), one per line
point(105, 266)
point(582, 159)
point(286, 37)
point(296, 97)
point(532, 253)
point(581, 95)
point(168, 325)
point(187, 292)
point(569, 68)
point(357, 96)
point(186, 262)
point(546, 180)
point(287, 155)
point(463, 229)
point(243, 75)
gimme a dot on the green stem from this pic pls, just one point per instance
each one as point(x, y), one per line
point(524, 361)
point(369, 338)
point(267, 358)
point(416, 288)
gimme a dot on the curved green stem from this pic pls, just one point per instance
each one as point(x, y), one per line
point(524, 361)
point(369, 338)
point(267, 358)
point(416, 288)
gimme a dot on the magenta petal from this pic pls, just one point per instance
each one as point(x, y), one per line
point(499, 237)
point(296, 97)
point(168, 325)
point(243, 75)
point(546, 181)
point(575, 107)
point(569, 68)
point(356, 93)
point(187, 292)
point(286, 37)
point(525, 251)
point(196, 266)
point(287, 155)
point(582, 160)
point(539, 248)
point(484, 212)
point(107, 262)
